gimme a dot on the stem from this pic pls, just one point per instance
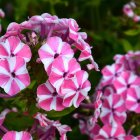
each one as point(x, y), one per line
point(5, 96)
point(87, 106)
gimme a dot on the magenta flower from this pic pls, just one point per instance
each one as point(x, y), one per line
point(133, 99)
point(48, 98)
point(14, 135)
point(12, 46)
point(53, 48)
point(128, 10)
point(13, 75)
point(108, 132)
point(76, 89)
point(113, 109)
point(67, 28)
point(125, 81)
point(111, 72)
point(40, 24)
point(62, 69)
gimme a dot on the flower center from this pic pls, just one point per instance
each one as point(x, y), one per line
point(12, 55)
point(128, 86)
point(138, 100)
point(13, 74)
point(65, 73)
point(56, 55)
point(54, 93)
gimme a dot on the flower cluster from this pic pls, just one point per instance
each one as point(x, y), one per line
point(59, 40)
point(60, 47)
point(128, 10)
point(117, 96)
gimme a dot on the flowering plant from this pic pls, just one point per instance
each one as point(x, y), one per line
point(56, 44)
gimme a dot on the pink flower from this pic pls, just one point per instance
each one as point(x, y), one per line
point(108, 132)
point(44, 122)
point(13, 29)
point(53, 48)
point(13, 75)
point(127, 9)
point(62, 69)
point(136, 18)
point(76, 89)
point(14, 135)
point(40, 24)
point(48, 98)
point(67, 27)
point(125, 81)
point(113, 109)
point(12, 46)
point(133, 99)
point(111, 72)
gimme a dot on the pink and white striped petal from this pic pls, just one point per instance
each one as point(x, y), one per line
point(108, 132)
point(133, 99)
point(62, 69)
point(48, 99)
point(53, 48)
point(111, 72)
point(13, 75)
point(113, 110)
point(76, 89)
point(125, 81)
point(14, 135)
point(13, 46)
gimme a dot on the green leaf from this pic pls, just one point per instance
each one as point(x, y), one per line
point(126, 45)
point(18, 121)
point(54, 114)
point(132, 32)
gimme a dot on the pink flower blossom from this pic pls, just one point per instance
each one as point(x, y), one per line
point(136, 18)
point(125, 81)
point(13, 75)
point(14, 135)
point(53, 48)
point(62, 69)
point(108, 132)
point(48, 98)
point(111, 72)
point(40, 24)
point(13, 29)
point(127, 9)
point(76, 89)
point(113, 109)
point(133, 99)
point(12, 46)
point(68, 26)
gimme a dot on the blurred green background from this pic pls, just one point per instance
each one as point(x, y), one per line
point(109, 31)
